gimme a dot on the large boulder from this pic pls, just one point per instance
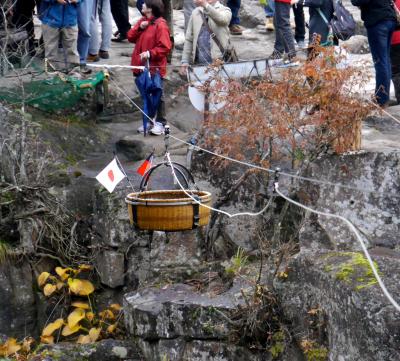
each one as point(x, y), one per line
point(17, 300)
point(371, 204)
point(351, 313)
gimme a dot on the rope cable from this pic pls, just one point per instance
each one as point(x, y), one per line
point(230, 215)
point(355, 231)
point(251, 165)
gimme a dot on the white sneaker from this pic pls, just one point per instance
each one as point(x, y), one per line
point(158, 129)
point(141, 128)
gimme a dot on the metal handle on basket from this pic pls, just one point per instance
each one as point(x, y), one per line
point(179, 168)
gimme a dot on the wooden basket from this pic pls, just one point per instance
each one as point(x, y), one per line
point(168, 210)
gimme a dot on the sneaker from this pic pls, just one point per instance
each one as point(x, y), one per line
point(119, 39)
point(269, 24)
point(301, 44)
point(275, 58)
point(236, 29)
point(158, 129)
point(104, 54)
point(92, 58)
point(289, 63)
point(141, 128)
point(84, 69)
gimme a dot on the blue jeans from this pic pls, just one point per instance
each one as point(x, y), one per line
point(85, 10)
point(379, 38)
point(234, 5)
point(270, 9)
point(102, 13)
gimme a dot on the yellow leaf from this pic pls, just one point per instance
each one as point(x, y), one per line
point(9, 347)
point(84, 339)
point(51, 327)
point(80, 287)
point(75, 316)
point(85, 267)
point(49, 289)
point(43, 278)
point(111, 328)
point(90, 316)
point(63, 272)
point(116, 307)
point(107, 314)
point(94, 333)
point(78, 304)
point(69, 331)
point(47, 339)
point(60, 285)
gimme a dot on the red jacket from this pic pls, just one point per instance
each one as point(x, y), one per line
point(155, 39)
point(396, 34)
point(283, 1)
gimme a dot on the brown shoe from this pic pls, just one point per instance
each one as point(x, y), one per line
point(92, 58)
point(269, 24)
point(236, 29)
point(104, 54)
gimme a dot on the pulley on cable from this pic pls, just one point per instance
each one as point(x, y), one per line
point(169, 210)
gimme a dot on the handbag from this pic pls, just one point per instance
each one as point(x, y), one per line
point(228, 55)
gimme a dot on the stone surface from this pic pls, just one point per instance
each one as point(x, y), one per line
point(251, 14)
point(358, 44)
point(373, 207)
point(149, 313)
point(105, 350)
point(111, 267)
point(17, 300)
point(359, 323)
point(133, 149)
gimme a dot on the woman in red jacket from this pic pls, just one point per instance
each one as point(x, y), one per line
point(395, 59)
point(153, 44)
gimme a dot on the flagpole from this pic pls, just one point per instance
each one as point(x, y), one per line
point(123, 170)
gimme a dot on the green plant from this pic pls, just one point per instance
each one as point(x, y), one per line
point(314, 351)
point(4, 251)
point(237, 263)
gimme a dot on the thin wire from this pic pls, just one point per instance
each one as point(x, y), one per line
point(251, 165)
point(384, 111)
point(359, 238)
point(230, 215)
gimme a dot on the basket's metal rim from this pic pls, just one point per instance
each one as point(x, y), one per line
point(144, 203)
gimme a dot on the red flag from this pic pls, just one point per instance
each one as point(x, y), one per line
point(146, 165)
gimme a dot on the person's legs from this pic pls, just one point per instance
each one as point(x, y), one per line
point(69, 37)
point(284, 41)
point(51, 37)
point(94, 43)
point(85, 10)
point(106, 26)
point(120, 13)
point(269, 10)
point(23, 19)
point(234, 5)
point(379, 37)
point(300, 30)
point(395, 61)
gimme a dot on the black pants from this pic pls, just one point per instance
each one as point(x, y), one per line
point(120, 13)
point(300, 30)
point(395, 59)
point(23, 18)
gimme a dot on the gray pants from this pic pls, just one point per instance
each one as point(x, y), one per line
point(69, 38)
point(284, 41)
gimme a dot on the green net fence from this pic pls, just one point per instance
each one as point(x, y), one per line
point(54, 94)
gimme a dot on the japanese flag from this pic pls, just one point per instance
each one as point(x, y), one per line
point(110, 176)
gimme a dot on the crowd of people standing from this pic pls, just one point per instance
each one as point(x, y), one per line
point(209, 24)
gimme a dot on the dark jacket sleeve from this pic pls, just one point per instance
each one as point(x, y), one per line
point(360, 2)
point(314, 3)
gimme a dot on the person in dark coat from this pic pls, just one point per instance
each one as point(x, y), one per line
point(380, 21)
point(23, 19)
